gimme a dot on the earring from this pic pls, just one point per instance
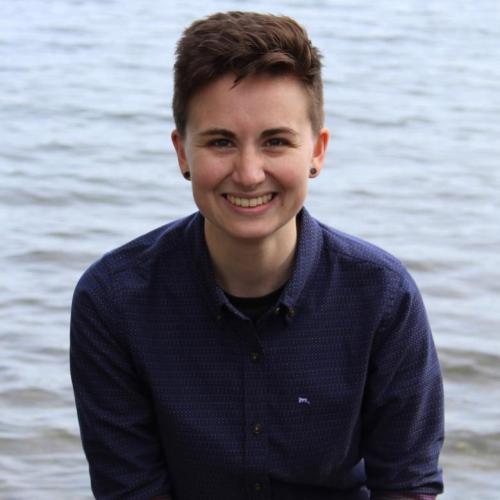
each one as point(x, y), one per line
point(187, 175)
point(312, 172)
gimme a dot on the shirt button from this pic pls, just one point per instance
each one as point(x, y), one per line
point(291, 313)
point(257, 429)
point(257, 487)
point(254, 357)
point(277, 310)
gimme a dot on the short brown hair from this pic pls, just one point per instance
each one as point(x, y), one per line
point(245, 43)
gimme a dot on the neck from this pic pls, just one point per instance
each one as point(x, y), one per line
point(252, 268)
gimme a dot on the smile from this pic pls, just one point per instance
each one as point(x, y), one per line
point(249, 202)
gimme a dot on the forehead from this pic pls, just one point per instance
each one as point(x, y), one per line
point(260, 100)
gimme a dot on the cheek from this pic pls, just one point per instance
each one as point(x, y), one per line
point(207, 172)
point(296, 176)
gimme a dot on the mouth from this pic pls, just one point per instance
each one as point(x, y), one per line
point(256, 201)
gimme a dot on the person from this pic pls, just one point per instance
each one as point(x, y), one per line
point(249, 351)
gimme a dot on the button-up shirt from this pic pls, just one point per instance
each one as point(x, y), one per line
point(334, 393)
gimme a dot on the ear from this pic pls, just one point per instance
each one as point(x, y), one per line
point(320, 146)
point(179, 144)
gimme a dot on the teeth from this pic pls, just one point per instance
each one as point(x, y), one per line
point(249, 202)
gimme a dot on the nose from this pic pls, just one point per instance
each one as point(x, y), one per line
point(248, 168)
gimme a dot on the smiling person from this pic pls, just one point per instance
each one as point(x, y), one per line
point(249, 351)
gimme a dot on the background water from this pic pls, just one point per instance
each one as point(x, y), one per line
point(413, 101)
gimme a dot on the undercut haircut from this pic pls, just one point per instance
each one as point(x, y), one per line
point(245, 44)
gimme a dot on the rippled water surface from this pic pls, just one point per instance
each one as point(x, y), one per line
point(413, 101)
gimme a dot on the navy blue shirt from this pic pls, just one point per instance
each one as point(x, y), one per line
point(335, 392)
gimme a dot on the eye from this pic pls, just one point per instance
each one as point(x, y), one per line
point(220, 143)
point(276, 142)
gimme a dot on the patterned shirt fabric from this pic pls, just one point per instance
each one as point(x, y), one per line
point(336, 392)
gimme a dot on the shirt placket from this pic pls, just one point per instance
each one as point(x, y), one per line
point(255, 408)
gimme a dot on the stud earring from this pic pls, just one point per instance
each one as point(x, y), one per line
point(312, 172)
point(187, 175)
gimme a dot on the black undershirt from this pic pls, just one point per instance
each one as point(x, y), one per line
point(255, 307)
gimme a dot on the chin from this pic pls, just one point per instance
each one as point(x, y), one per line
point(250, 235)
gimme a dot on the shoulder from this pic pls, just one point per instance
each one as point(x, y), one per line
point(355, 267)
point(357, 251)
point(165, 244)
point(377, 283)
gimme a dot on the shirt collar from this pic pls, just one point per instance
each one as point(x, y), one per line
point(306, 260)
point(309, 243)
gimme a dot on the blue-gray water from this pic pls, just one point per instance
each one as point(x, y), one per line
point(413, 101)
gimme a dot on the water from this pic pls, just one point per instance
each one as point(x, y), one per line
point(413, 101)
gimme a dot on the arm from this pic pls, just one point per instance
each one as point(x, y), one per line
point(402, 496)
point(403, 407)
point(117, 424)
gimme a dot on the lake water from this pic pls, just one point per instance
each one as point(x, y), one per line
point(413, 101)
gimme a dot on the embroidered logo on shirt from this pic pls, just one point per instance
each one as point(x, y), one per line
point(304, 401)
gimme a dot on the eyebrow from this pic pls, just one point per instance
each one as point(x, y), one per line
point(278, 131)
point(222, 132)
point(218, 131)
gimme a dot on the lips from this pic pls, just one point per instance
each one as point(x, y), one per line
point(249, 202)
